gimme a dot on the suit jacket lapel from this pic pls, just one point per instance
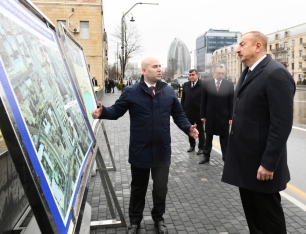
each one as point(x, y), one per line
point(254, 73)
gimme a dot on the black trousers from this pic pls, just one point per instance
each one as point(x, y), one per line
point(208, 145)
point(139, 185)
point(200, 128)
point(263, 211)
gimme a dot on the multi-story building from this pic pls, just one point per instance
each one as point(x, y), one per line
point(84, 18)
point(179, 60)
point(210, 41)
point(288, 46)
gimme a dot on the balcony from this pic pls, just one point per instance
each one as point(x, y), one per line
point(280, 50)
point(304, 57)
point(282, 60)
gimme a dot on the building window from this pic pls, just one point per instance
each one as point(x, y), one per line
point(84, 30)
point(301, 41)
point(88, 65)
point(285, 45)
point(276, 36)
point(270, 47)
point(292, 53)
point(293, 42)
point(292, 66)
point(300, 53)
point(300, 64)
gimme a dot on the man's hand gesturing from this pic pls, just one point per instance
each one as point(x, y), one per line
point(97, 112)
point(193, 132)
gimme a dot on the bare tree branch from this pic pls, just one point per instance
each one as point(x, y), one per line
point(132, 41)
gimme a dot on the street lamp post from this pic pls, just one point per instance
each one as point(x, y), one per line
point(122, 36)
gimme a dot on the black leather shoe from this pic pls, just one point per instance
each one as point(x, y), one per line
point(132, 229)
point(204, 160)
point(190, 149)
point(200, 151)
point(161, 228)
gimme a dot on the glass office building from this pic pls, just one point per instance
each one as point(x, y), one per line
point(210, 41)
point(179, 53)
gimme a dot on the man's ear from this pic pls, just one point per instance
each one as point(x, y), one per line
point(258, 46)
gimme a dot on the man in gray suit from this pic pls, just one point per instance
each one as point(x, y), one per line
point(256, 158)
point(216, 110)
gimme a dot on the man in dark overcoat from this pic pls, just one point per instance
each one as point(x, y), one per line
point(191, 98)
point(216, 110)
point(150, 102)
point(256, 159)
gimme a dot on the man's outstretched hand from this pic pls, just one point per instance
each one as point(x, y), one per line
point(193, 132)
point(96, 113)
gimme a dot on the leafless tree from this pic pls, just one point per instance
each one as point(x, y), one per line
point(132, 41)
point(112, 71)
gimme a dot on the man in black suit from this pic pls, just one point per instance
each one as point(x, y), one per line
point(256, 159)
point(94, 81)
point(216, 110)
point(107, 85)
point(191, 97)
point(129, 82)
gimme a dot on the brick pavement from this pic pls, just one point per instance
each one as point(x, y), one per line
point(197, 200)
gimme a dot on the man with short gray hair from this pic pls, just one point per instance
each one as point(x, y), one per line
point(216, 110)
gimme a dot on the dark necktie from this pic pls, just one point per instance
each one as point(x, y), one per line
point(192, 86)
point(218, 85)
point(246, 76)
point(152, 91)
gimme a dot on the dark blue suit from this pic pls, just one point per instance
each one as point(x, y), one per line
point(150, 141)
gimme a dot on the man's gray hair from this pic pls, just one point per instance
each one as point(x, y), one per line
point(221, 65)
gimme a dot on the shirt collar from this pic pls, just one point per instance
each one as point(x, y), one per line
point(257, 62)
point(149, 84)
point(217, 81)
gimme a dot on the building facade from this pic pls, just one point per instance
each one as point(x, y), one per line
point(288, 46)
point(210, 41)
point(84, 18)
point(178, 60)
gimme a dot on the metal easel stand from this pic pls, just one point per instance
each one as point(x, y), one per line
point(109, 150)
point(109, 191)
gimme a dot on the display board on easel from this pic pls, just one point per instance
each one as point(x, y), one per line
point(42, 118)
point(76, 60)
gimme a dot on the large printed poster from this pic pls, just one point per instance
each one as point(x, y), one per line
point(46, 110)
point(79, 72)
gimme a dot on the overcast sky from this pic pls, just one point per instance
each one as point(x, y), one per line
point(186, 20)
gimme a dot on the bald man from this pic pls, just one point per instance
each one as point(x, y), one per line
point(150, 102)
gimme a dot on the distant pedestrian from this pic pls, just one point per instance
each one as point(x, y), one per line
point(191, 99)
point(129, 82)
point(94, 81)
point(112, 85)
point(216, 110)
point(107, 85)
point(256, 158)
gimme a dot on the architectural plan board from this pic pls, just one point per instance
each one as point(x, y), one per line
point(42, 116)
point(78, 66)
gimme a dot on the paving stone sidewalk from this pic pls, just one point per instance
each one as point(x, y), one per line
point(197, 200)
